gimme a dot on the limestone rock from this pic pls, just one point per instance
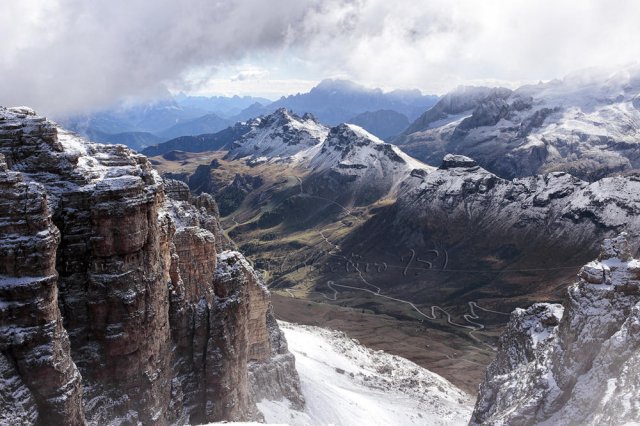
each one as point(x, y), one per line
point(580, 368)
point(113, 306)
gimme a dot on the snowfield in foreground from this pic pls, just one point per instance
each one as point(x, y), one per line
point(345, 383)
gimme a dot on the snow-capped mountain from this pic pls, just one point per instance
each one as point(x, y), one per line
point(345, 383)
point(281, 134)
point(345, 159)
point(572, 364)
point(493, 237)
point(587, 124)
point(352, 160)
point(556, 202)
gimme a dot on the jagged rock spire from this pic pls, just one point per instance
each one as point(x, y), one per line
point(617, 247)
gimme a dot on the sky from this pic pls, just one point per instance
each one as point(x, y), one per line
point(71, 56)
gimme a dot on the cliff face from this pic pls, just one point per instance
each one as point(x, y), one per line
point(117, 302)
point(576, 363)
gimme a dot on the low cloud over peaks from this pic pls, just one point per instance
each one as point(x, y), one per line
point(75, 54)
point(72, 55)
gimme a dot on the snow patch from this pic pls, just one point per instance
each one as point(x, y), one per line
point(345, 383)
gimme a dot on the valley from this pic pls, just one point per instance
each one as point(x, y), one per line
point(314, 213)
point(420, 261)
point(313, 282)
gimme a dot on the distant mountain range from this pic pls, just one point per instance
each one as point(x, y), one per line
point(385, 114)
point(384, 123)
point(337, 101)
point(158, 122)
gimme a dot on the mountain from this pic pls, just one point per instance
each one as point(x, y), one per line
point(332, 101)
point(223, 106)
point(121, 299)
point(453, 106)
point(209, 123)
point(345, 383)
point(472, 236)
point(353, 166)
point(336, 101)
point(575, 363)
point(279, 134)
point(221, 140)
point(345, 161)
point(587, 124)
point(145, 124)
point(150, 117)
point(354, 223)
point(383, 123)
point(254, 110)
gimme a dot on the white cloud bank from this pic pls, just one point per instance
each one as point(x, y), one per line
point(70, 55)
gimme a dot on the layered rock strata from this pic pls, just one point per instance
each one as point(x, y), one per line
point(117, 303)
point(572, 364)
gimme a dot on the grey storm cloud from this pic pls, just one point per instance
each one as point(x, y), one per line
point(66, 55)
point(69, 56)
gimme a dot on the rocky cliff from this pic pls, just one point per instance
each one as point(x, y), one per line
point(119, 304)
point(572, 364)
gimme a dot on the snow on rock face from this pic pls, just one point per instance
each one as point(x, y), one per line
point(281, 134)
point(350, 144)
point(451, 161)
point(345, 383)
point(353, 161)
point(553, 207)
point(114, 304)
point(587, 125)
point(578, 364)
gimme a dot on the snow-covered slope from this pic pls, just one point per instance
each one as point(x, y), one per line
point(587, 124)
point(345, 383)
point(575, 364)
point(281, 134)
point(355, 162)
point(350, 146)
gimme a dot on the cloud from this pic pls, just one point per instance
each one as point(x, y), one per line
point(438, 44)
point(68, 56)
point(75, 54)
point(267, 88)
point(251, 74)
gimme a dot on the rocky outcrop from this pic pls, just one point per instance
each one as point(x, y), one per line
point(471, 200)
point(201, 211)
point(576, 363)
point(115, 302)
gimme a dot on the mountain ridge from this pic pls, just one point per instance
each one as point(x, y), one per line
point(586, 125)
